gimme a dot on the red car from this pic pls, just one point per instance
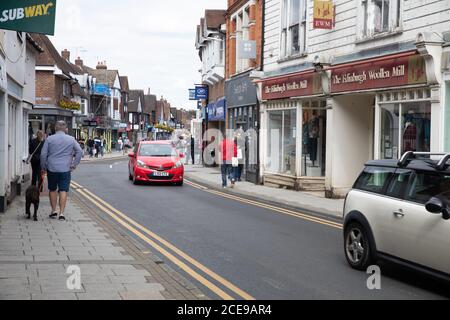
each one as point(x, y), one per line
point(156, 161)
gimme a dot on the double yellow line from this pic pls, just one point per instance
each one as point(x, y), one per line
point(292, 213)
point(168, 250)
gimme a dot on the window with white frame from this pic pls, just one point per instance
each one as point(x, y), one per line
point(293, 27)
point(380, 16)
point(84, 106)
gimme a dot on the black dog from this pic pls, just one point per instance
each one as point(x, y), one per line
point(32, 197)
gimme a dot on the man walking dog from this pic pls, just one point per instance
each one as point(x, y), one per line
point(60, 155)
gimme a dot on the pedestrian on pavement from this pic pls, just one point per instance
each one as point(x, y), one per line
point(193, 149)
point(60, 156)
point(97, 144)
point(126, 145)
point(102, 146)
point(91, 146)
point(240, 144)
point(229, 151)
point(120, 143)
point(35, 150)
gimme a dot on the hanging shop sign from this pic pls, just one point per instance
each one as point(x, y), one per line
point(240, 91)
point(192, 94)
point(36, 16)
point(296, 85)
point(247, 49)
point(323, 14)
point(201, 93)
point(379, 73)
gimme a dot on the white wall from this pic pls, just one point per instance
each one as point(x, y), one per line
point(20, 91)
point(417, 16)
point(350, 140)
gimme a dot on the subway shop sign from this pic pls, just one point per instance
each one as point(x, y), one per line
point(36, 16)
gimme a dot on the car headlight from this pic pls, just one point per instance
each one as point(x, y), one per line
point(141, 164)
point(178, 164)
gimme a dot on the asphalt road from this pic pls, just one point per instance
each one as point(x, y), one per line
point(267, 254)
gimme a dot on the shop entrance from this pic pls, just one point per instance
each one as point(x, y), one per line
point(314, 127)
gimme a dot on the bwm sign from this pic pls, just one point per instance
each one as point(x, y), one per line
point(36, 16)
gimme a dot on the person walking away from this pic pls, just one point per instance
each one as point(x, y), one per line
point(126, 145)
point(229, 151)
point(102, 146)
point(60, 156)
point(193, 149)
point(91, 146)
point(97, 144)
point(35, 150)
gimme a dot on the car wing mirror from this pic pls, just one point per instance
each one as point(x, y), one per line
point(131, 154)
point(436, 206)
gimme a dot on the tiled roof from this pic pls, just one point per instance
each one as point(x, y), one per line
point(215, 18)
point(134, 97)
point(105, 76)
point(124, 83)
point(150, 103)
point(51, 56)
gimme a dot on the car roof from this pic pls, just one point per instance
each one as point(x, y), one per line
point(415, 164)
point(157, 142)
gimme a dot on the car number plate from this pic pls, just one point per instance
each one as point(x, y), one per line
point(160, 174)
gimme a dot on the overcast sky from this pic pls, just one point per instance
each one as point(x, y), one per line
point(150, 41)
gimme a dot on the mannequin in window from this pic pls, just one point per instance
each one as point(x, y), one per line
point(313, 137)
point(410, 133)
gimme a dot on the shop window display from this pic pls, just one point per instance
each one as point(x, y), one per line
point(314, 126)
point(282, 142)
point(409, 132)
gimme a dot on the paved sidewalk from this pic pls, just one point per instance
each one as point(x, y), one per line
point(107, 156)
point(34, 257)
point(313, 201)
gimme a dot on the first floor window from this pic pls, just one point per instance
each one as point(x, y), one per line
point(380, 16)
point(293, 27)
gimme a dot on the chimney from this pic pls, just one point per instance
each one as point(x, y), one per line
point(101, 66)
point(65, 54)
point(148, 91)
point(79, 62)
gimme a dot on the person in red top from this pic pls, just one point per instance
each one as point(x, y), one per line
point(228, 151)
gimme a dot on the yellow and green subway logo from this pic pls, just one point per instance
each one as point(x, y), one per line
point(28, 15)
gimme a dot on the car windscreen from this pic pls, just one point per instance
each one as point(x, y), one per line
point(157, 150)
point(426, 185)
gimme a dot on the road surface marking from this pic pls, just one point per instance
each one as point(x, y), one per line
point(292, 213)
point(195, 185)
point(109, 210)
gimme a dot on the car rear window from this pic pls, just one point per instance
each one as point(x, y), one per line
point(426, 185)
point(157, 150)
point(374, 179)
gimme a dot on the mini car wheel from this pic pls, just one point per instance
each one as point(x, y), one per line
point(180, 183)
point(357, 247)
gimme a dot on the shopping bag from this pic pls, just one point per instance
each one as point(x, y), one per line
point(235, 161)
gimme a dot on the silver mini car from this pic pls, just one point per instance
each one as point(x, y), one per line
point(399, 211)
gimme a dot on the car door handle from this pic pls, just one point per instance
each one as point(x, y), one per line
point(399, 213)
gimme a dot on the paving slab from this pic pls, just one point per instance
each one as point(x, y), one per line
point(35, 256)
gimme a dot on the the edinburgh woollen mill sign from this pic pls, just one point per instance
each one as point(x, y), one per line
point(36, 16)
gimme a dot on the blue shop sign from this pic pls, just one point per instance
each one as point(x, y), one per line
point(192, 94)
point(216, 110)
point(201, 93)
